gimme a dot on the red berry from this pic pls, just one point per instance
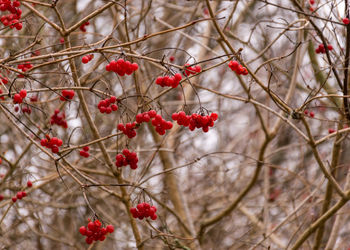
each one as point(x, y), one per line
point(82, 230)
point(85, 59)
point(17, 98)
point(346, 21)
point(110, 229)
point(14, 199)
point(91, 226)
point(19, 195)
point(330, 130)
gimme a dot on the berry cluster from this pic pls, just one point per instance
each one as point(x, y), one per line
point(321, 49)
point(19, 196)
point(238, 68)
point(24, 67)
point(67, 95)
point(129, 158)
point(108, 105)
point(95, 232)
point(195, 120)
point(18, 98)
point(161, 125)
point(346, 21)
point(192, 70)
point(85, 152)
point(144, 210)
point(311, 114)
point(53, 143)
point(27, 109)
point(128, 129)
point(122, 67)
point(59, 119)
point(82, 27)
point(189, 70)
point(87, 58)
point(12, 19)
point(145, 116)
point(169, 81)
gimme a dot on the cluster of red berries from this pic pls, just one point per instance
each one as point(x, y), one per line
point(19, 196)
point(95, 232)
point(18, 98)
point(26, 109)
point(87, 58)
point(82, 27)
point(67, 95)
point(122, 67)
point(59, 119)
point(127, 158)
point(145, 116)
point(53, 143)
point(128, 129)
point(158, 122)
point(24, 67)
point(192, 70)
point(169, 81)
point(13, 18)
point(195, 120)
point(311, 114)
point(346, 21)
point(85, 152)
point(161, 125)
point(321, 49)
point(108, 105)
point(144, 210)
point(238, 68)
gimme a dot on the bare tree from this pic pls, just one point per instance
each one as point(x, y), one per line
point(156, 124)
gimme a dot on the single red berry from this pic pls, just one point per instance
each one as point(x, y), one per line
point(85, 59)
point(330, 130)
point(86, 148)
point(330, 47)
point(17, 98)
point(346, 21)
point(19, 195)
point(110, 229)
point(1, 197)
point(14, 199)
point(23, 93)
point(82, 230)
point(312, 114)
